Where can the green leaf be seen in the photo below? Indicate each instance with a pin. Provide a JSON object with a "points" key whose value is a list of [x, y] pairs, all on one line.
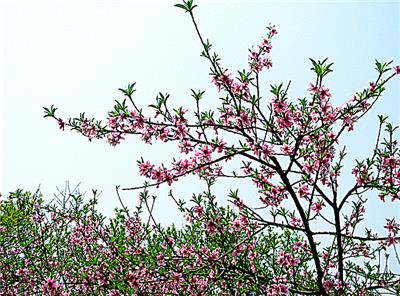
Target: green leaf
{"points": [[180, 6], [49, 112], [187, 6]]}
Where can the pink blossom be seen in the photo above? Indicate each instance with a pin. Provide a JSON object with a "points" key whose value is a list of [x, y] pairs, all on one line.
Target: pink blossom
{"points": [[114, 138], [329, 285], [145, 169], [185, 146], [287, 259], [223, 80], [285, 121], [220, 145], [199, 211], [50, 285], [61, 124], [317, 207], [294, 221], [236, 224], [308, 168], [88, 128], [163, 136], [180, 132], [298, 245], [214, 254], [287, 149], [313, 88], [267, 150], [324, 92], [392, 227], [177, 277], [391, 240], [303, 190]]}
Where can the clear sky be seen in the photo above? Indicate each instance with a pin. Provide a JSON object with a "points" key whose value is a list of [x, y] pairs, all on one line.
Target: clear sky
{"points": [[76, 54]]}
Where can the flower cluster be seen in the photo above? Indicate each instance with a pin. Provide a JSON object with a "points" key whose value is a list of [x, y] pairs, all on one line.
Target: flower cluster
{"points": [[258, 57]]}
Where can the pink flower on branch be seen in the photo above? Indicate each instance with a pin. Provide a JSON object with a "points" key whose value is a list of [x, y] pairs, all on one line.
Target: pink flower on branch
{"points": [[316, 207]]}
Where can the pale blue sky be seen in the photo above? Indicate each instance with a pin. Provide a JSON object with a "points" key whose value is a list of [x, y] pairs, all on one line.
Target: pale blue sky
{"points": [[76, 54]]}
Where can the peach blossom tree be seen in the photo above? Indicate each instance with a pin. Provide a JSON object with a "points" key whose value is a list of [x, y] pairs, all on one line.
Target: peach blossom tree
{"points": [[289, 150]]}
